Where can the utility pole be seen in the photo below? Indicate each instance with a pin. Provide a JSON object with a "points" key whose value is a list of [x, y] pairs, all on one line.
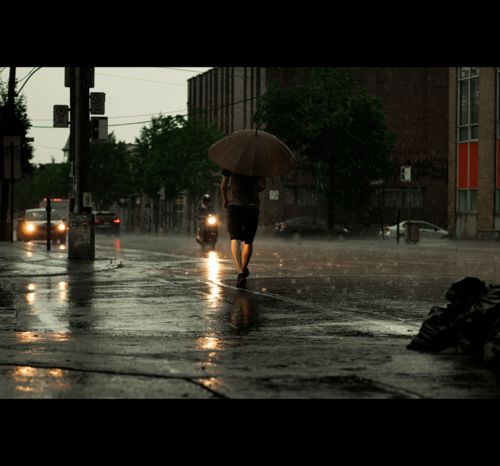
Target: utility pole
{"points": [[81, 239], [7, 130]]}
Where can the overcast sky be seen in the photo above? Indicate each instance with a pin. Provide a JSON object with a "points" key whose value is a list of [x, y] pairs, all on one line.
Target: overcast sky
{"points": [[133, 95]]}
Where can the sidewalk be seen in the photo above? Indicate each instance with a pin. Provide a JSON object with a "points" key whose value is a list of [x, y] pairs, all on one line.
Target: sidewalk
{"points": [[23, 260]]}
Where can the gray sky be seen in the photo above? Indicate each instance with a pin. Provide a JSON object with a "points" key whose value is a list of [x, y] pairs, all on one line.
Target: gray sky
{"points": [[132, 95]]}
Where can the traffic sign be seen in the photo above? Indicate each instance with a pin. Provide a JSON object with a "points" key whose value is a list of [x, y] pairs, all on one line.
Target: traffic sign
{"points": [[61, 116], [99, 128], [406, 174], [97, 100]]}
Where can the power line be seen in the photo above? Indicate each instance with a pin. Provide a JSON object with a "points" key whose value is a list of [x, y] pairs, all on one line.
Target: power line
{"points": [[183, 69], [141, 79], [124, 116]]}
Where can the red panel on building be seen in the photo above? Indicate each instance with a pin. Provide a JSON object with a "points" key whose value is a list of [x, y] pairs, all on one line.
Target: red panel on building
{"points": [[463, 150], [473, 164], [498, 164]]}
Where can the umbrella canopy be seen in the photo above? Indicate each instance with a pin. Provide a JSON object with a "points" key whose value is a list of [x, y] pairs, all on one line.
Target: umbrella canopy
{"points": [[252, 153]]}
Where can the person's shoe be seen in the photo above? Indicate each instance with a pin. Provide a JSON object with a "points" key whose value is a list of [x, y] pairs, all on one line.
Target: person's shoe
{"points": [[246, 272], [242, 281]]}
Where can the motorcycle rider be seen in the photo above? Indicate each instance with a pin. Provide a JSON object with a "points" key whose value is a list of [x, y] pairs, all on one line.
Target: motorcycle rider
{"points": [[205, 208]]}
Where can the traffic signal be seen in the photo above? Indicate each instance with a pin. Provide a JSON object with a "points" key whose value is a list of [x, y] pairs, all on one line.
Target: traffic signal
{"points": [[60, 116], [99, 128]]}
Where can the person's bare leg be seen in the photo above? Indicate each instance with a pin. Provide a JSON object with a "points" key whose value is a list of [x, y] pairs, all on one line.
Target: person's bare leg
{"points": [[246, 254], [236, 252]]}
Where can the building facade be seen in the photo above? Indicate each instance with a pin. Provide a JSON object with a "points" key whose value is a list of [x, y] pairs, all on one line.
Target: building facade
{"points": [[474, 166], [416, 104]]}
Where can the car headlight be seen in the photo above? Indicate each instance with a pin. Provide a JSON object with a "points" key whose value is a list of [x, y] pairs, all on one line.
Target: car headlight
{"points": [[61, 227], [211, 220], [29, 228]]}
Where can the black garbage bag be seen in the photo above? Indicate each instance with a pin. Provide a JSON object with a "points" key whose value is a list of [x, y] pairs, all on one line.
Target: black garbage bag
{"points": [[436, 332], [438, 329], [491, 349], [465, 291], [473, 328]]}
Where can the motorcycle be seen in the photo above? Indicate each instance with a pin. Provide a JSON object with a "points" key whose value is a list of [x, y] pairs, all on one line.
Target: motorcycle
{"points": [[208, 234]]}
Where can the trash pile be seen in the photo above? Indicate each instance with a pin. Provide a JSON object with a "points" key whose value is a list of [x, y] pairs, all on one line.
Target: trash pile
{"points": [[470, 322]]}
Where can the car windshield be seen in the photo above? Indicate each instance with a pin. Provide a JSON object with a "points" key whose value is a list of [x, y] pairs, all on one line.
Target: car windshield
{"points": [[41, 214], [105, 215]]}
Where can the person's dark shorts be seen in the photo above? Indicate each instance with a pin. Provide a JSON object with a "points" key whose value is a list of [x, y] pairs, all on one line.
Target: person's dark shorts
{"points": [[242, 223]]}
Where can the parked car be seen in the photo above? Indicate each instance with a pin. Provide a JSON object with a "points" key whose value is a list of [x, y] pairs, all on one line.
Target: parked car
{"points": [[32, 225], [426, 230], [106, 222], [307, 227]]}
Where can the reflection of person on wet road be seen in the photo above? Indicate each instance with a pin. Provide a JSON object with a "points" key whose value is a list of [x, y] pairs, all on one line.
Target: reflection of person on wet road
{"points": [[243, 217], [244, 316]]}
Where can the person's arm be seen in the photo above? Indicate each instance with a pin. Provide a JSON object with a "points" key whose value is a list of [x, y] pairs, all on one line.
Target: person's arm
{"points": [[223, 189]]}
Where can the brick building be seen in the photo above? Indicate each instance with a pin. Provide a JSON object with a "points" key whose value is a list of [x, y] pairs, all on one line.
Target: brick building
{"points": [[474, 165], [416, 104]]}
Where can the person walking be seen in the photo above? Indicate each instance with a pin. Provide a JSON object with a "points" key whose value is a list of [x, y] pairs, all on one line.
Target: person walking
{"points": [[243, 206]]}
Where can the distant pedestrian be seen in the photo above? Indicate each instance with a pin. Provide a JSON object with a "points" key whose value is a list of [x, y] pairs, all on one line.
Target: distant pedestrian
{"points": [[243, 206]]}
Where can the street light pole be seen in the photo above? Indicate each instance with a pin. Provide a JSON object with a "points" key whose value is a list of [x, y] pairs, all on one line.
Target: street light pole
{"points": [[7, 130]]}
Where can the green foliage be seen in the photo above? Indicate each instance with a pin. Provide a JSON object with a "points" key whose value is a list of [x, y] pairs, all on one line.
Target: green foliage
{"points": [[111, 178], [46, 180], [336, 127], [19, 126], [172, 153]]}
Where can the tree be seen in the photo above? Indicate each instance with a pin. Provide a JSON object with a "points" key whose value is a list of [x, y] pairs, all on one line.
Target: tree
{"points": [[13, 122], [109, 164], [337, 129], [51, 179], [172, 153]]}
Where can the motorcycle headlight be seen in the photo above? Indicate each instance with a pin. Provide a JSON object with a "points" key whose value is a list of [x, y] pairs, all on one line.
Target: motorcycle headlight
{"points": [[211, 220]]}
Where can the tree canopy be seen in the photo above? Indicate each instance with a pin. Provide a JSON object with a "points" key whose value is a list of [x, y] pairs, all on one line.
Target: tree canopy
{"points": [[337, 129], [172, 153]]}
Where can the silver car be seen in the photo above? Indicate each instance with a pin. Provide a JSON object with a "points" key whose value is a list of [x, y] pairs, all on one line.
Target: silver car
{"points": [[33, 226], [426, 230]]}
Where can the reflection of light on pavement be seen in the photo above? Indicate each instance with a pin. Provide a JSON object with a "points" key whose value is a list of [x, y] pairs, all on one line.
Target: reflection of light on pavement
{"points": [[30, 246], [213, 271], [31, 337], [118, 245], [209, 343], [212, 345], [63, 291], [62, 247], [32, 379], [213, 383], [213, 266], [30, 293]]}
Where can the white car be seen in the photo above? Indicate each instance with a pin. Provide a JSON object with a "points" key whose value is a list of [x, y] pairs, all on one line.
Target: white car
{"points": [[426, 230]]}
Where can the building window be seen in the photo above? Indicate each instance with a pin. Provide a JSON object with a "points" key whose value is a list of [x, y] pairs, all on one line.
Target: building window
{"points": [[468, 135], [497, 197], [398, 198], [468, 115], [498, 103]]}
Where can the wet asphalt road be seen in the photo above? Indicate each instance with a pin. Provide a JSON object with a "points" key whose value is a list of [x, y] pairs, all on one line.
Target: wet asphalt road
{"points": [[157, 317]]}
